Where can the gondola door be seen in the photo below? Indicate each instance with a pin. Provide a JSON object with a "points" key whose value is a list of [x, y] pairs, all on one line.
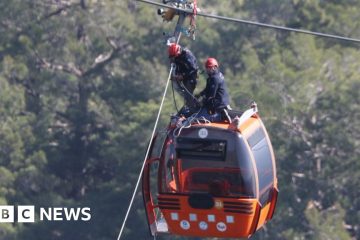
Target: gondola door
{"points": [[150, 187]]}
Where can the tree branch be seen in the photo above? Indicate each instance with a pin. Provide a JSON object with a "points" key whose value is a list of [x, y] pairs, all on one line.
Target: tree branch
{"points": [[103, 59], [58, 11], [68, 68], [100, 61], [297, 128]]}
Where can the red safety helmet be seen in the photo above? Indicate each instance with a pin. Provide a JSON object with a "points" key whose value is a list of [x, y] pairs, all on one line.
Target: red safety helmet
{"points": [[211, 62], [174, 50]]}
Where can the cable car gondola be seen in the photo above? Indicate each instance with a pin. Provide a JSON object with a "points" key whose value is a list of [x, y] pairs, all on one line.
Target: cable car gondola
{"points": [[211, 179]]}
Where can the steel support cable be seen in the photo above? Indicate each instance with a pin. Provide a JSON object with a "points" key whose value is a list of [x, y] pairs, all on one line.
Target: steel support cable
{"points": [[281, 28], [254, 23], [146, 156]]}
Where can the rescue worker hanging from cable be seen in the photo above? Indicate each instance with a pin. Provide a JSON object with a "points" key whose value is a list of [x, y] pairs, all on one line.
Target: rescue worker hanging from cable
{"points": [[215, 95], [185, 76]]}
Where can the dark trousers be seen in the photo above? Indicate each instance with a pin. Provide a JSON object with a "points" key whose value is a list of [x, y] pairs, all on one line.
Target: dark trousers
{"points": [[186, 89]]}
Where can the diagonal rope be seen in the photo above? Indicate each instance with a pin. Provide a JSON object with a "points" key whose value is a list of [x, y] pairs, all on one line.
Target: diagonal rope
{"points": [[146, 156]]}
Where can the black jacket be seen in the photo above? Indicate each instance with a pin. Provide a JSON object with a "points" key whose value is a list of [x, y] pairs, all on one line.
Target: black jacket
{"points": [[186, 65], [216, 92]]}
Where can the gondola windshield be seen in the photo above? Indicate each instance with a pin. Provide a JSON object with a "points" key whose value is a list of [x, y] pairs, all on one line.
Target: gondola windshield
{"points": [[209, 166]]}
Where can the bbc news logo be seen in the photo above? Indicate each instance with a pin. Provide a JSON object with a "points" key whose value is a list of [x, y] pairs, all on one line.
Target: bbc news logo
{"points": [[26, 214]]}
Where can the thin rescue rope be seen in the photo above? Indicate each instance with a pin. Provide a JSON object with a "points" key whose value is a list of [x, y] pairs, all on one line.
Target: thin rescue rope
{"points": [[173, 94], [146, 156], [188, 92], [172, 83]]}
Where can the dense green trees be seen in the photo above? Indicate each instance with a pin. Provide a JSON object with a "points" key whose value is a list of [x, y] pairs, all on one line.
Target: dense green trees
{"points": [[80, 84]]}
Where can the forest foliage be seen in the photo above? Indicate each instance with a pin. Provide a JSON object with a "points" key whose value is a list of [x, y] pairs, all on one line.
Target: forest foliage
{"points": [[80, 86]]}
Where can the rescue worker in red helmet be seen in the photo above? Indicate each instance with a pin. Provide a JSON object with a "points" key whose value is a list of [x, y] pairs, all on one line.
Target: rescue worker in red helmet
{"points": [[184, 76], [216, 98]]}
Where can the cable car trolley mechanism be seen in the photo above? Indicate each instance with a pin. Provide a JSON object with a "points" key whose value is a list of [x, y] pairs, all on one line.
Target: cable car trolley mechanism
{"points": [[211, 179]]}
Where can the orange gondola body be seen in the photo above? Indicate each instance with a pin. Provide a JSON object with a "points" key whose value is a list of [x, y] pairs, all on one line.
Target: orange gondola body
{"points": [[211, 179]]}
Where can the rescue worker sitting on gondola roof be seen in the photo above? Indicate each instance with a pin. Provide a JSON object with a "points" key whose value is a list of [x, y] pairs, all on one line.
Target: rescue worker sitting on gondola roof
{"points": [[215, 95]]}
